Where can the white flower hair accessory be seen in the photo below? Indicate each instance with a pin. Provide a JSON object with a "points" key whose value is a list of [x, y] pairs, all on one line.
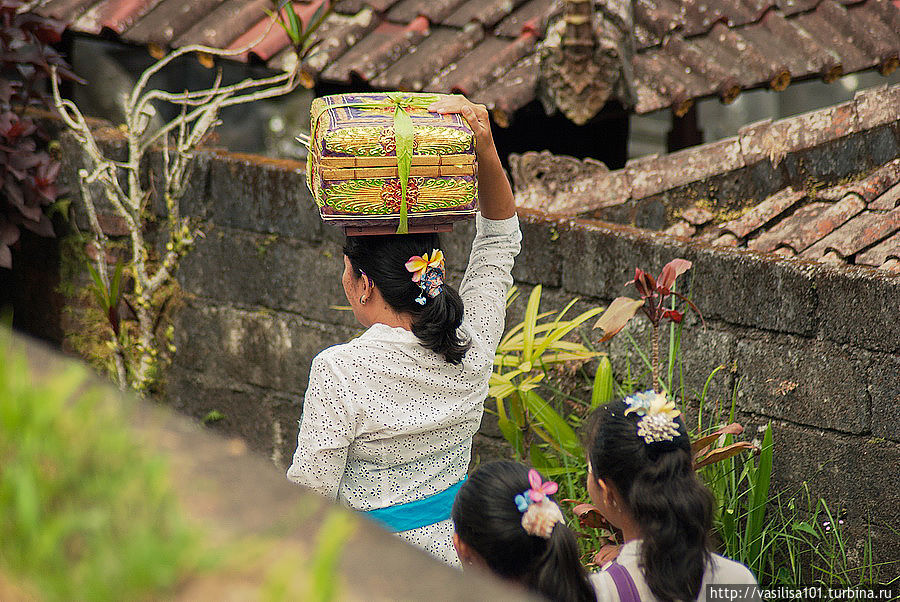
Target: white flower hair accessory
{"points": [[539, 513], [658, 416]]}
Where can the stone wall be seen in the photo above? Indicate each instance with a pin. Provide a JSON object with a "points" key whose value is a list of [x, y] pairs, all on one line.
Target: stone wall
{"points": [[815, 348]]}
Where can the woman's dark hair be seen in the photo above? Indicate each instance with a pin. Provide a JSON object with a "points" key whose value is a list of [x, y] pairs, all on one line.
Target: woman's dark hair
{"points": [[487, 520], [664, 495], [383, 259]]}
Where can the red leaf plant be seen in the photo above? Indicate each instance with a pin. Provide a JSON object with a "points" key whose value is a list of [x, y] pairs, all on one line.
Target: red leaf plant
{"points": [[27, 173], [655, 295]]}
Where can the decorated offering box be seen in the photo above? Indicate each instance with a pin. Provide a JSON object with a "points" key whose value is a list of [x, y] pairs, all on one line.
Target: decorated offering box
{"points": [[379, 162]]}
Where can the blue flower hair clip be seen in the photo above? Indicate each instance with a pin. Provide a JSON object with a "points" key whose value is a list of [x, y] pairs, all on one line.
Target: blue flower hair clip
{"points": [[539, 513]]}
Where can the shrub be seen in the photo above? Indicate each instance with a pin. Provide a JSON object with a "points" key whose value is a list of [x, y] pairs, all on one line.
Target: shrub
{"points": [[27, 172]]}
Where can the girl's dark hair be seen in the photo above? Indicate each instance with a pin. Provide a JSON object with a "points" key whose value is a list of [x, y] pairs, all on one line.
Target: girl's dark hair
{"points": [[488, 521], [664, 495], [383, 259]]}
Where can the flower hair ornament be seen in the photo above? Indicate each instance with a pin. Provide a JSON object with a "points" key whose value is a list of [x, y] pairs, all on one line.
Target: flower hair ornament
{"points": [[428, 273], [658, 416], [539, 513]]}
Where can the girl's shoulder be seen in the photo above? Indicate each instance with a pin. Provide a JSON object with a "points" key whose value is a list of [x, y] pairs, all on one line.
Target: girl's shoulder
{"points": [[725, 570]]}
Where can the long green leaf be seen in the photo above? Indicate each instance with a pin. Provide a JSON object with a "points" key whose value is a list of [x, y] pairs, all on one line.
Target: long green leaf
{"points": [[565, 329], [513, 339], [602, 391], [513, 436], [99, 290], [538, 458], [296, 27], [562, 356], [565, 310], [115, 286], [544, 414], [551, 441], [404, 134], [531, 312], [759, 495]]}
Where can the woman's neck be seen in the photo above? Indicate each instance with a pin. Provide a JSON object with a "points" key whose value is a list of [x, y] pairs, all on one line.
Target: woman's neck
{"points": [[388, 317], [630, 529], [379, 312], [395, 321]]}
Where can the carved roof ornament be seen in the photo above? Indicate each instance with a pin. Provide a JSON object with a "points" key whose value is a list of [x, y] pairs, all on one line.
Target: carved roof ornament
{"points": [[586, 58]]}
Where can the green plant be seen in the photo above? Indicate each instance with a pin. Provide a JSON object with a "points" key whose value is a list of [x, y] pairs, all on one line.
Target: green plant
{"points": [[813, 547], [85, 511], [142, 347], [557, 450], [213, 416], [524, 355]]}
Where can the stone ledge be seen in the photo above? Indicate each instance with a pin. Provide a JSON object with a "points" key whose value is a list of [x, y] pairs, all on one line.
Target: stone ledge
{"points": [[736, 286]]}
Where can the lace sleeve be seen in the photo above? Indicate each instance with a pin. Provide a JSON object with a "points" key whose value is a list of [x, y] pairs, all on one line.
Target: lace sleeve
{"points": [[489, 277]]}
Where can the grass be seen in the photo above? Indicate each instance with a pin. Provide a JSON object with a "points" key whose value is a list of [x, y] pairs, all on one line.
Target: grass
{"points": [[89, 513], [85, 512]]}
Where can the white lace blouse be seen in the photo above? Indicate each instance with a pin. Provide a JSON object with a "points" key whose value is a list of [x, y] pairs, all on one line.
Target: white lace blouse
{"points": [[386, 421]]}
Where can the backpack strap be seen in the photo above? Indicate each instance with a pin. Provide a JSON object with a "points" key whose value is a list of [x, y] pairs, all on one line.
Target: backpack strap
{"points": [[625, 586]]}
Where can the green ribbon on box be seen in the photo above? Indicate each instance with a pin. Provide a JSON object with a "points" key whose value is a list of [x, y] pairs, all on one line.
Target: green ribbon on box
{"points": [[404, 135]]}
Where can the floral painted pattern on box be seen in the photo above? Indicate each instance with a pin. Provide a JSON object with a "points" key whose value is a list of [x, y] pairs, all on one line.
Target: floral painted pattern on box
{"points": [[352, 167]]}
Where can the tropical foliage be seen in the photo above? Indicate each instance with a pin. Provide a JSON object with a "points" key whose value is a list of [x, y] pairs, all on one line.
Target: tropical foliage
{"points": [[524, 355], [27, 171], [784, 539], [653, 302]]}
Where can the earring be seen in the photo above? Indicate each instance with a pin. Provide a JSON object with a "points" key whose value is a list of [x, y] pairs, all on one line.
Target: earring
{"points": [[362, 299]]}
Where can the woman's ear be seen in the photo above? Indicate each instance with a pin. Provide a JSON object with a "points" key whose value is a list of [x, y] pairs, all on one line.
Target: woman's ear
{"points": [[467, 556], [608, 493]]}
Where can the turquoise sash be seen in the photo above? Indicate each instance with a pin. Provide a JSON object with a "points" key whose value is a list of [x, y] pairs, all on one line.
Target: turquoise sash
{"points": [[420, 513]]}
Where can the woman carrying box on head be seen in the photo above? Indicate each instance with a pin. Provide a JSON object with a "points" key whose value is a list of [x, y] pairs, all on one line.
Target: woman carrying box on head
{"points": [[388, 418]]}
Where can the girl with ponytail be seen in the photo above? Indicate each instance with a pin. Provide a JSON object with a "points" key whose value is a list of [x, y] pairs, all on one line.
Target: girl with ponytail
{"points": [[641, 478], [506, 522], [388, 418]]}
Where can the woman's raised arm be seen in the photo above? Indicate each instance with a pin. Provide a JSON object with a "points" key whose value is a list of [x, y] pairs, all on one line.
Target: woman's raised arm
{"points": [[495, 195], [489, 273]]}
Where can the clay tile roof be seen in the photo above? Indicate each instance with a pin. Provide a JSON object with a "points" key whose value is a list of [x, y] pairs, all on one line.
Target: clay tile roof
{"points": [[881, 253], [807, 225], [861, 232], [685, 50], [823, 186], [764, 213]]}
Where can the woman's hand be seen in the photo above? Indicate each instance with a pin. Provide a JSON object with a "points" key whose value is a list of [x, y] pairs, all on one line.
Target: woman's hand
{"points": [[475, 115], [495, 195]]}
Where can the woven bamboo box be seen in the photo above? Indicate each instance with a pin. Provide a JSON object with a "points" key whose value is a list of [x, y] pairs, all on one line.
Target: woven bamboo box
{"points": [[352, 167]]}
